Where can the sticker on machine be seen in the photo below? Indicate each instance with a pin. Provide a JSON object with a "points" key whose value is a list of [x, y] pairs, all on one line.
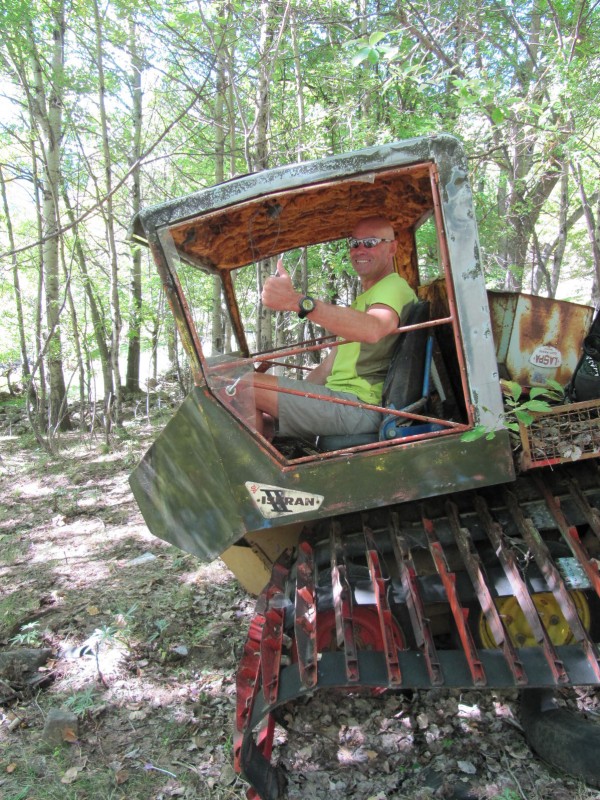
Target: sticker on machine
{"points": [[546, 356], [276, 501]]}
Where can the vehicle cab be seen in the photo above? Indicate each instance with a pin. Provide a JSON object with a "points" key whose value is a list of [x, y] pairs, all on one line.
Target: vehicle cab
{"points": [[211, 481]]}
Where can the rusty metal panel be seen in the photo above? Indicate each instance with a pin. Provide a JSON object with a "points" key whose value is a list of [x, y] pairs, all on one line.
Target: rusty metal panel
{"points": [[537, 338], [202, 488]]}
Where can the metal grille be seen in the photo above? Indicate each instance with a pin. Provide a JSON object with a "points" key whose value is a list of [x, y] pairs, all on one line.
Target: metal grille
{"points": [[567, 433]]}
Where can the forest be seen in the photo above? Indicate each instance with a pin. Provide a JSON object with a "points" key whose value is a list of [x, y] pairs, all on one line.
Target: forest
{"points": [[107, 108]]}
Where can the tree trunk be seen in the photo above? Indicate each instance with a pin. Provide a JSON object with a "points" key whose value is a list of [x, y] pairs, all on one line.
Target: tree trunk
{"points": [[39, 365], [593, 230], [301, 146], [112, 413], [78, 348], [26, 372], [46, 110], [218, 344], [132, 380], [98, 323], [264, 329], [561, 245]]}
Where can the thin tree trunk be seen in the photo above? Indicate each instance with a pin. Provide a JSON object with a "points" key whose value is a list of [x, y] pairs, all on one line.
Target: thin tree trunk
{"points": [[41, 394], [47, 111], [77, 345], [132, 381], [219, 125], [26, 372], [264, 328], [98, 324], [299, 85], [593, 230], [559, 250], [108, 213]]}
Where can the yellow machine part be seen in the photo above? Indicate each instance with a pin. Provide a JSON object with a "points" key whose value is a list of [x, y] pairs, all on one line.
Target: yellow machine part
{"points": [[550, 614]]}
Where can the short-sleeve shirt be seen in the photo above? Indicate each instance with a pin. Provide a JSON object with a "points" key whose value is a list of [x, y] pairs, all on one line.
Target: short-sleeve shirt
{"points": [[360, 368]]}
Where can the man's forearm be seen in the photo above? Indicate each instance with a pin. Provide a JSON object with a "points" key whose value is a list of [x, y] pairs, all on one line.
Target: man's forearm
{"points": [[359, 326], [370, 326]]}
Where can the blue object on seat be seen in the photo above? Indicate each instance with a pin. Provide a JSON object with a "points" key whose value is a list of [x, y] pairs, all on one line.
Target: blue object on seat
{"points": [[401, 431]]}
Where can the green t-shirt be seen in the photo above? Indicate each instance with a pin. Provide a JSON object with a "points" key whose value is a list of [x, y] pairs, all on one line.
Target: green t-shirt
{"points": [[360, 368]]}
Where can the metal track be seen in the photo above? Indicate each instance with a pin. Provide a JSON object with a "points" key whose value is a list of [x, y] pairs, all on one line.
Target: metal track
{"points": [[397, 598]]}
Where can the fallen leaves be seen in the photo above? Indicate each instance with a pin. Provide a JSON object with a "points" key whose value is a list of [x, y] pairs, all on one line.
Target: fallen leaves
{"points": [[73, 772], [70, 775], [69, 735]]}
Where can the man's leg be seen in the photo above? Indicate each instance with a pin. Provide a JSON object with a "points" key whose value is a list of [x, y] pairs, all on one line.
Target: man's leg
{"points": [[266, 399]]}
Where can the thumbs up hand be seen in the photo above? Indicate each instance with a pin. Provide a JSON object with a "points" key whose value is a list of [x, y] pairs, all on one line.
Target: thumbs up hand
{"points": [[278, 290]]}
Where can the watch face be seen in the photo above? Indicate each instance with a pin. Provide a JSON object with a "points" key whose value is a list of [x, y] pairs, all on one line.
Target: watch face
{"points": [[307, 304]]}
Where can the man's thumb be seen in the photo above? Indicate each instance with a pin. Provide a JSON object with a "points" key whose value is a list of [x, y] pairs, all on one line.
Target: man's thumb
{"points": [[281, 270]]}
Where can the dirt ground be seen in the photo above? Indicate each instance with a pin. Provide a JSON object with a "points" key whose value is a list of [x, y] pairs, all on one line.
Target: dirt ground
{"points": [[143, 643]]}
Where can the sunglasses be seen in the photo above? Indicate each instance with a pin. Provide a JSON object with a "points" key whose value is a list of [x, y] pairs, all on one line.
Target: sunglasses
{"points": [[372, 241]]}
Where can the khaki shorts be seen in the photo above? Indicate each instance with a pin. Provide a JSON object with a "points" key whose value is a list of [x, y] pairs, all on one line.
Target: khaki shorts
{"points": [[305, 418]]}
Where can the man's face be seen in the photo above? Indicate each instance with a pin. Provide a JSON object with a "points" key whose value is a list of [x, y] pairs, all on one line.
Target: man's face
{"points": [[372, 264]]}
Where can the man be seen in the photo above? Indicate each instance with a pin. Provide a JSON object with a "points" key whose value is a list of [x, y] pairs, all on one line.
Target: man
{"points": [[352, 371]]}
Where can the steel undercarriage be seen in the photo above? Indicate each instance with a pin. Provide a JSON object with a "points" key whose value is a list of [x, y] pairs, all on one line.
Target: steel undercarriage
{"points": [[490, 589]]}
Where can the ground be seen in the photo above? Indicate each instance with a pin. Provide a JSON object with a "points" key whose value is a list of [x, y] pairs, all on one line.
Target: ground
{"points": [[143, 643]]}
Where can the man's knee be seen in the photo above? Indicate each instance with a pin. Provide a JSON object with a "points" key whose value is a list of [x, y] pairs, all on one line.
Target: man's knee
{"points": [[266, 396]]}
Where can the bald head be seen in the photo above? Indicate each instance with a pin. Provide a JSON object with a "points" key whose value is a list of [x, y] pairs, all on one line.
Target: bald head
{"points": [[373, 226]]}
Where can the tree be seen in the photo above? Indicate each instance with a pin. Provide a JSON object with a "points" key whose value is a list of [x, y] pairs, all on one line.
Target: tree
{"points": [[502, 71], [41, 80], [140, 107], [132, 381]]}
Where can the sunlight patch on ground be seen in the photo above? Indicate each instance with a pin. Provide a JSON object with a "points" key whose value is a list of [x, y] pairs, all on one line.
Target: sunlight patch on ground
{"points": [[35, 489]]}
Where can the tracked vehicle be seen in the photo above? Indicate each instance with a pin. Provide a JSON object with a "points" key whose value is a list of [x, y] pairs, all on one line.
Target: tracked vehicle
{"points": [[418, 557]]}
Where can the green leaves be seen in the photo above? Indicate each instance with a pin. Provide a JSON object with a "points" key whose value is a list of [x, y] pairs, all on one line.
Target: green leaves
{"points": [[518, 412], [372, 50], [478, 432]]}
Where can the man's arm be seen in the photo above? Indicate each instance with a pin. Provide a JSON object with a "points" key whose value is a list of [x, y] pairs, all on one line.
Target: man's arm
{"points": [[358, 326]]}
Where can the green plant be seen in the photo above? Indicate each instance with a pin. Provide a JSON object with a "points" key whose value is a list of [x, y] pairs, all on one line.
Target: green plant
{"points": [[161, 625], [81, 702], [200, 634], [507, 794], [119, 630], [30, 634], [517, 410]]}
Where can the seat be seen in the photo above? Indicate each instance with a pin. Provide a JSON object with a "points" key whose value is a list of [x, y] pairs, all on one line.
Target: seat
{"points": [[406, 386]]}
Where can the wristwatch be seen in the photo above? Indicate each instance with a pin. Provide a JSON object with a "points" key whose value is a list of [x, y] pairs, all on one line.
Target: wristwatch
{"points": [[306, 305]]}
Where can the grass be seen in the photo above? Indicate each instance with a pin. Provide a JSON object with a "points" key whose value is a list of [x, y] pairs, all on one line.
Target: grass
{"points": [[56, 778], [15, 607], [12, 548]]}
